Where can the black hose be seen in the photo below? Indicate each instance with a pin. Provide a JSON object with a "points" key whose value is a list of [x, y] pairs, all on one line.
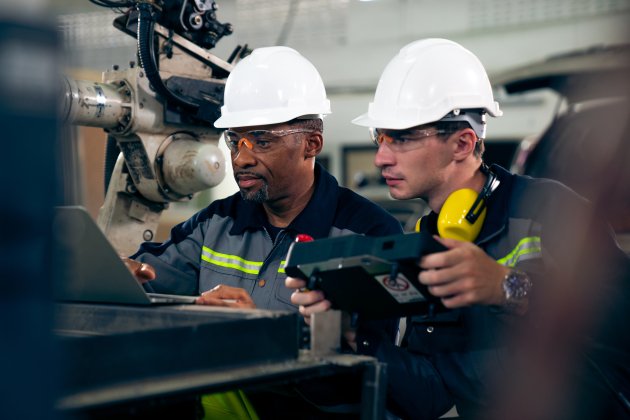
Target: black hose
{"points": [[146, 54], [112, 4], [111, 156]]}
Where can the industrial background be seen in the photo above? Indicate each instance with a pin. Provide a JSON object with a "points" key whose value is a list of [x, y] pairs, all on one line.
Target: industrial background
{"points": [[350, 42], [46, 162]]}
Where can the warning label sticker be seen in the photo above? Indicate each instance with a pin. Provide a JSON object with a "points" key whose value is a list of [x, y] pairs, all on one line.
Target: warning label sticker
{"points": [[400, 288]]}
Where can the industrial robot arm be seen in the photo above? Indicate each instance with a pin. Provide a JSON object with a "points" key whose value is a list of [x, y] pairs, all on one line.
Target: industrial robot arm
{"points": [[158, 114]]}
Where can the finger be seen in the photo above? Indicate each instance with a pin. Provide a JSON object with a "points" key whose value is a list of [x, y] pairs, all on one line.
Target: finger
{"points": [[131, 265], [307, 298], [449, 242], [452, 288], [210, 300], [142, 272], [145, 273], [294, 283], [438, 259], [230, 296], [351, 339], [227, 292], [433, 277], [241, 304], [321, 306], [462, 251]]}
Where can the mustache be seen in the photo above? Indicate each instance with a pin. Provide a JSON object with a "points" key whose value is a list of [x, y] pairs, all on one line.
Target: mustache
{"points": [[239, 174], [385, 173]]}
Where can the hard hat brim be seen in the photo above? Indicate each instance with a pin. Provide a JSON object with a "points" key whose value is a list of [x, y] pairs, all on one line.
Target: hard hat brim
{"points": [[399, 122], [365, 120], [262, 117]]}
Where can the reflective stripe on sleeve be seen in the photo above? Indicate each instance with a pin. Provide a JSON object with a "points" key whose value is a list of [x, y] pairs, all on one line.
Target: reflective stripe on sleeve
{"points": [[230, 261], [527, 248]]}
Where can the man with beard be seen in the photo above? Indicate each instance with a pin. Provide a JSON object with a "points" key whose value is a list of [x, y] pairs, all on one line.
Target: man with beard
{"points": [[232, 252]]}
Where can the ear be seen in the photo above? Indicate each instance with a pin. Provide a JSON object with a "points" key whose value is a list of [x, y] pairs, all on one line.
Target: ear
{"points": [[314, 143], [464, 144]]}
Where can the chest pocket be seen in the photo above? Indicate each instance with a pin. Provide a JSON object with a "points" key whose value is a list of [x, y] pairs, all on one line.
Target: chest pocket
{"points": [[232, 270], [282, 293]]}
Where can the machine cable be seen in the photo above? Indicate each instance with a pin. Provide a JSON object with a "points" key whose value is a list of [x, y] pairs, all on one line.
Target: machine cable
{"points": [[148, 61]]}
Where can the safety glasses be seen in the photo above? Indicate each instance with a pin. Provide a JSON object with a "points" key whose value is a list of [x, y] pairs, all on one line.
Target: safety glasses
{"points": [[258, 141], [403, 140]]}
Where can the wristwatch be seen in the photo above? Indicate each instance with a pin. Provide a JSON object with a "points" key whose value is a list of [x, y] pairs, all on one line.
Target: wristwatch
{"points": [[516, 286]]}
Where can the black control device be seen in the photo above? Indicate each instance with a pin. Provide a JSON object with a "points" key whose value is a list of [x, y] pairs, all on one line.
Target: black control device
{"points": [[376, 277]]}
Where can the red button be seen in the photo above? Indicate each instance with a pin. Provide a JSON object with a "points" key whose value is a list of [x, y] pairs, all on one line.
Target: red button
{"points": [[262, 282], [303, 237]]}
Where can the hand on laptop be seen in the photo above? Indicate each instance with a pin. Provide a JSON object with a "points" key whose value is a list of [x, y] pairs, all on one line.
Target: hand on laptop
{"points": [[222, 295], [142, 272]]}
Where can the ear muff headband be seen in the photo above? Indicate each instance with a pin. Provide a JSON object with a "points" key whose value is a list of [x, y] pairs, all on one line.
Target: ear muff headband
{"points": [[479, 204]]}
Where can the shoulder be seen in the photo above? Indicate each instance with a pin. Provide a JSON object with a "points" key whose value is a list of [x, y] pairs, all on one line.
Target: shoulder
{"points": [[222, 208], [225, 207], [526, 197], [357, 213], [569, 225], [559, 215], [542, 195]]}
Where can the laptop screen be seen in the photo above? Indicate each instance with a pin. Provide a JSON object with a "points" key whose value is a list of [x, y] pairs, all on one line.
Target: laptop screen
{"points": [[88, 268]]}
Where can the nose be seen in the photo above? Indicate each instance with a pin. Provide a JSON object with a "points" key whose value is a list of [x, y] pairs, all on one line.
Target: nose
{"points": [[245, 156], [384, 156], [244, 142]]}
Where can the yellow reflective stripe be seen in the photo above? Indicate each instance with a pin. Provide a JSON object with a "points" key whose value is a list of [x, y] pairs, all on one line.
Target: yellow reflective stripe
{"points": [[283, 264], [230, 261], [526, 246]]}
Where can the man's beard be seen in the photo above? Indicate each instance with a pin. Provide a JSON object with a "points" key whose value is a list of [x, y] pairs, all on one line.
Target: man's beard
{"points": [[259, 196]]}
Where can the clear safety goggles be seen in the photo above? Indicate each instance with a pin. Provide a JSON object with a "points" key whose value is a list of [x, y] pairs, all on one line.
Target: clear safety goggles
{"points": [[258, 141], [403, 140]]}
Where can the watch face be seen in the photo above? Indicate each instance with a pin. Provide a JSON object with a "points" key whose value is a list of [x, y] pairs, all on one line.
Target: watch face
{"points": [[516, 285]]}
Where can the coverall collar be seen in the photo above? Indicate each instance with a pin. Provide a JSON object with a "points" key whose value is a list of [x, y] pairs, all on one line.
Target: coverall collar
{"points": [[497, 206], [497, 209], [315, 220]]}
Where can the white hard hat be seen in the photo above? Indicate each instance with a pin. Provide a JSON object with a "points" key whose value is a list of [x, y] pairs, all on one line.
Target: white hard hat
{"points": [[272, 85], [427, 81]]}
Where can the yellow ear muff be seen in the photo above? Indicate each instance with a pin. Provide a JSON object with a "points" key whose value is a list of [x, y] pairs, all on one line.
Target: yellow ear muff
{"points": [[452, 221]]}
